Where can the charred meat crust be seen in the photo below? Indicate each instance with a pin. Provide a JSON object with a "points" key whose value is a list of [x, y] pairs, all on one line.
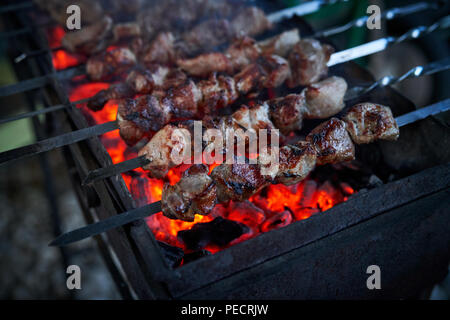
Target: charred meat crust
{"points": [[367, 122], [194, 193], [332, 142]]}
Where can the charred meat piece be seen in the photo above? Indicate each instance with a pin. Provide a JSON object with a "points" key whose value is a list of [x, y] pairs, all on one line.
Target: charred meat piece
{"points": [[168, 148], [238, 182], [195, 193], [367, 122], [161, 50], [250, 21], [287, 112], [240, 54], [139, 81], [295, 163], [175, 15], [90, 39], [184, 100], [126, 30], [266, 72], [129, 131], [217, 92], [325, 98], [308, 60], [205, 64], [114, 92], [209, 34], [281, 44], [276, 69], [332, 142], [249, 78], [206, 36], [145, 112], [145, 80], [110, 63], [253, 118]]}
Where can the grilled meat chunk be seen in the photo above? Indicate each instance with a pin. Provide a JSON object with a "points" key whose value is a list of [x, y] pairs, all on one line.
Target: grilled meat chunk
{"points": [[240, 54], [205, 64], [90, 39], [238, 182], [295, 163], [161, 50], [206, 36], [139, 81], [195, 193], [114, 92], [308, 60], [113, 62], [367, 122], [325, 98], [332, 142], [217, 92], [276, 69], [129, 131], [145, 110], [287, 112], [266, 72], [250, 21], [168, 148], [280, 45], [209, 34], [126, 30], [253, 118]]}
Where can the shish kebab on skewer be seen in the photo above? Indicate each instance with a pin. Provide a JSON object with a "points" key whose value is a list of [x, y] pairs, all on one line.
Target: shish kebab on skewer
{"points": [[163, 16], [241, 53], [318, 101], [197, 192], [157, 147], [193, 100], [138, 80], [99, 129], [153, 208], [166, 48], [142, 80], [346, 55]]}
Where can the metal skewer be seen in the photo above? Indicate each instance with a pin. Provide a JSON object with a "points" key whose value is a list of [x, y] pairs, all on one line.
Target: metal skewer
{"points": [[151, 209], [415, 72], [383, 43]]}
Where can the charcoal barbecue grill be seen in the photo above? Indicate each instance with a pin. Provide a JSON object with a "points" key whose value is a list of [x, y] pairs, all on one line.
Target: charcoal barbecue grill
{"points": [[402, 226]]}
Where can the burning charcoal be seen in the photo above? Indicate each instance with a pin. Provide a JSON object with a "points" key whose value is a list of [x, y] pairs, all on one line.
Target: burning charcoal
{"points": [[219, 232], [308, 199], [279, 220], [346, 188], [246, 213], [173, 255], [189, 257]]}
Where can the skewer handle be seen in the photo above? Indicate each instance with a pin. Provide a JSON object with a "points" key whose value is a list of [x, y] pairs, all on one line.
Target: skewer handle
{"points": [[387, 15], [415, 72], [300, 10]]}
